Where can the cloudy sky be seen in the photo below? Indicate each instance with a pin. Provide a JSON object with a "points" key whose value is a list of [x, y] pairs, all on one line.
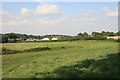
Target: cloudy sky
{"points": [[69, 18]]}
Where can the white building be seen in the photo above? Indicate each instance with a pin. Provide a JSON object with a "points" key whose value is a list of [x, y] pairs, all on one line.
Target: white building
{"points": [[45, 39], [54, 38], [29, 40], [32, 39], [114, 37]]}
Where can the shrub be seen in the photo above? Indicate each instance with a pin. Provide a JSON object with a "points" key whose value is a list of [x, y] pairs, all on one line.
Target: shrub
{"points": [[118, 40], [95, 38], [37, 49], [9, 51]]}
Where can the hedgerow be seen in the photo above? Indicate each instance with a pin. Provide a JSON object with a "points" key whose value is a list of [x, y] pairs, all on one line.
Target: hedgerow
{"points": [[37, 49], [9, 51]]}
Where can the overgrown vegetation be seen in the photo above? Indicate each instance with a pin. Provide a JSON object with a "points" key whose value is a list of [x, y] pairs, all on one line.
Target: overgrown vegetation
{"points": [[37, 49], [118, 40], [9, 51]]}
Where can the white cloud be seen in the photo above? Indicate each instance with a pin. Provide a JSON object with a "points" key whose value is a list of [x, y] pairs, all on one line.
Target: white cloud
{"points": [[18, 20], [110, 13], [17, 23], [12, 23], [85, 19], [43, 9], [37, 23], [24, 11], [9, 19], [47, 9], [6, 16], [50, 22], [4, 13]]}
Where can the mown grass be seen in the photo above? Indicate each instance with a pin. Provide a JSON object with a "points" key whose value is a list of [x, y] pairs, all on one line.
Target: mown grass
{"points": [[50, 64]]}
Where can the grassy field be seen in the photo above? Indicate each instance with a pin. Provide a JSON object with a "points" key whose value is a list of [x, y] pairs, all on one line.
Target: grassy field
{"points": [[78, 59]]}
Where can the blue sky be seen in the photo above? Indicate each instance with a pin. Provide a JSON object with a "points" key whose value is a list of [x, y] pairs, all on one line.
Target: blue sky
{"points": [[59, 17], [68, 7]]}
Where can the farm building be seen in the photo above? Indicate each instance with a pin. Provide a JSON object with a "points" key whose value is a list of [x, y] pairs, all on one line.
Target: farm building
{"points": [[29, 40], [32, 39], [45, 39], [114, 37], [20, 39], [14, 40], [11, 40], [55, 38]]}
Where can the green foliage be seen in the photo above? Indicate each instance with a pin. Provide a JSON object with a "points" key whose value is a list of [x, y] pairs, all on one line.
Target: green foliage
{"points": [[118, 40], [111, 39], [12, 35], [85, 34], [9, 51], [103, 33], [118, 33], [96, 34], [4, 38], [95, 38], [80, 36], [37, 49], [90, 68], [74, 39], [76, 60]]}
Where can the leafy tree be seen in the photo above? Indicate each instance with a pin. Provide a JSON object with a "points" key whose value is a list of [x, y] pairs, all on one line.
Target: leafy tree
{"points": [[103, 33], [96, 34], [85, 34], [31, 36], [12, 35], [112, 34], [4, 38], [93, 34], [118, 33], [80, 34]]}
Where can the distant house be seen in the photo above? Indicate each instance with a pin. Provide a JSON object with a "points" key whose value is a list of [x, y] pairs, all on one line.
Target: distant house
{"points": [[32, 39], [45, 39], [55, 38], [28, 39], [11, 40], [114, 37], [37, 40], [14, 40], [20, 39]]}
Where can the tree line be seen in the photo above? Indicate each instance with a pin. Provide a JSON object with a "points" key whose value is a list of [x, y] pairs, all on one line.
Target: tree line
{"points": [[99, 34], [7, 36], [83, 36]]}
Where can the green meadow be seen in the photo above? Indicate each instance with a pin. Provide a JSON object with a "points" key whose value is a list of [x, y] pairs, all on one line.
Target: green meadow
{"points": [[73, 59]]}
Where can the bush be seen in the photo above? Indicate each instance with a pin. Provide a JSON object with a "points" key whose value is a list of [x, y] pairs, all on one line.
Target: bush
{"points": [[9, 51], [37, 49], [95, 38], [118, 40]]}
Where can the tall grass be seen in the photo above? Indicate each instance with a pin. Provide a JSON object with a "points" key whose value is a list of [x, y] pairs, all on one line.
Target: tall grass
{"points": [[55, 63]]}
